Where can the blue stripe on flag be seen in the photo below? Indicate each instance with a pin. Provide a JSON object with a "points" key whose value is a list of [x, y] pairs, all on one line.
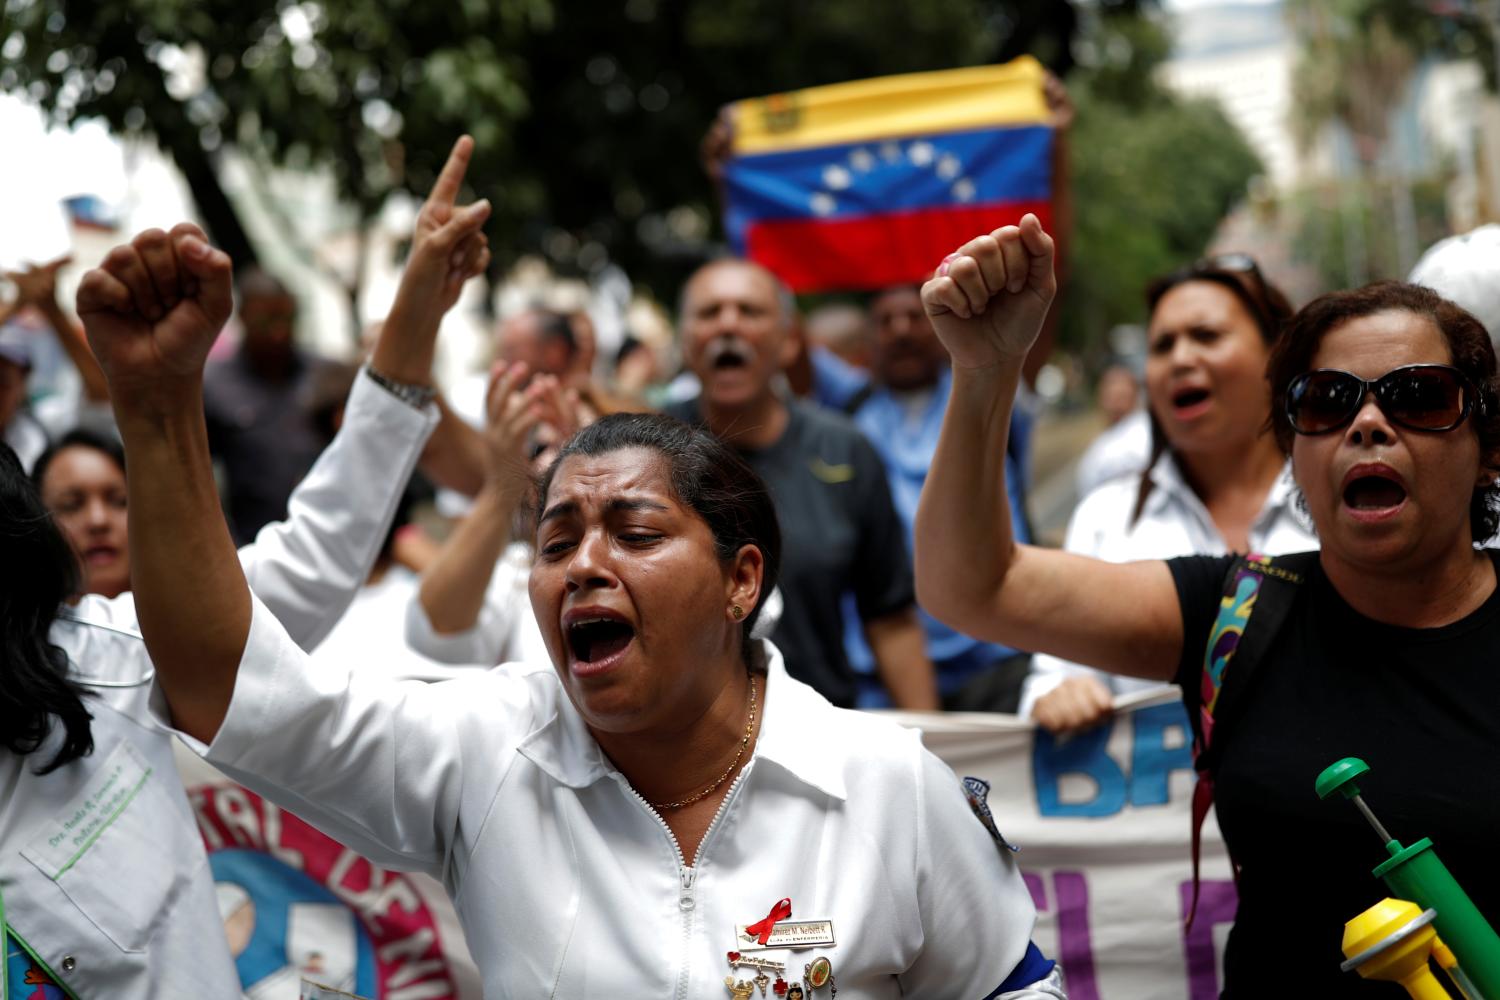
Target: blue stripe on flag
{"points": [[872, 178]]}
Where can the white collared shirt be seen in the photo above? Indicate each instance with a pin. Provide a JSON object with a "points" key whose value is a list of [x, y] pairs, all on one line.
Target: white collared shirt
{"points": [[134, 916], [569, 885], [504, 631], [1173, 523]]}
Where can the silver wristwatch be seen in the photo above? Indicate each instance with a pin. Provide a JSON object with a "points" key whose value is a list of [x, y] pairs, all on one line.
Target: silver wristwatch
{"points": [[415, 396]]}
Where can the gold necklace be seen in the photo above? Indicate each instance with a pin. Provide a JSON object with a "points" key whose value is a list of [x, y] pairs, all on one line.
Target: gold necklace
{"points": [[749, 728]]}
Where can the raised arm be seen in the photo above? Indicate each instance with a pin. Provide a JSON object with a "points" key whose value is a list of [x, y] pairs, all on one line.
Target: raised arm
{"points": [[453, 588], [152, 310], [987, 304], [38, 288], [308, 568]]}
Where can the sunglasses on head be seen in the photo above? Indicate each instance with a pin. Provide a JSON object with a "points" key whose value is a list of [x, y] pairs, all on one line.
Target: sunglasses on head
{"points": [[1241, 262], [1230, 263], [1418, 397], [1237, 271]]}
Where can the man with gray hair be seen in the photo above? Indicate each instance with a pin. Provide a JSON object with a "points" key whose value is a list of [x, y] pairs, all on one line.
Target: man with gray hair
{"points": [[839, 526]]}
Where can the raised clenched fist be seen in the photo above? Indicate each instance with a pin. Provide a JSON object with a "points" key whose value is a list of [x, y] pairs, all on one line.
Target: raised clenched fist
{"points": [[152, 310], [989, 298]]}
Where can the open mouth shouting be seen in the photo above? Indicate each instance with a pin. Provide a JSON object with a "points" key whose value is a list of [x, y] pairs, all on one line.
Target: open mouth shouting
{"points": [[729, 352], [100, 555], [1373, 492], [597, 640], [1190, 402]]}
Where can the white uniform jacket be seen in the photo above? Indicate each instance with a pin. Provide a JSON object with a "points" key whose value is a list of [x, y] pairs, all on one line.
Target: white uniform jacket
{"points": [[569, 885], [1173, 523], [505, 630], [112, 890]]}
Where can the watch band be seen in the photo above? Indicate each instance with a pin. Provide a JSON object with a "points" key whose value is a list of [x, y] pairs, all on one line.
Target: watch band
{"points": [[415, 396]]}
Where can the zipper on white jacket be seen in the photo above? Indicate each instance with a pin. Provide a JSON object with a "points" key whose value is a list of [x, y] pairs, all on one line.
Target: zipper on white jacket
{"points": [[687, 875]]}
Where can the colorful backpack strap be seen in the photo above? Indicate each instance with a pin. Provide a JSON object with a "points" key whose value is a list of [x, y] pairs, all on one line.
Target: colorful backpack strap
{"points": [[1253, 583]]}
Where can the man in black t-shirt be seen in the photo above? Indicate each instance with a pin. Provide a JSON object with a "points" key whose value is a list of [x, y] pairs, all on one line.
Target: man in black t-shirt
{"points": [[839, 527]]}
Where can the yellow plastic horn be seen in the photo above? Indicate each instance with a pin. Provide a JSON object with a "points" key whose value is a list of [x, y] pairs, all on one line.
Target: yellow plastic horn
{"points": [[1391, 941]]}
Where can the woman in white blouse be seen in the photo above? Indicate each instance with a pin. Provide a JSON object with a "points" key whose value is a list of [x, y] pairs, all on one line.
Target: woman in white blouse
{"points": [[1216, 481], [661, 809]]}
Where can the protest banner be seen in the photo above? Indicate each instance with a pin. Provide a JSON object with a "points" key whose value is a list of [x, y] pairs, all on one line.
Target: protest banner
{"points": [[296, 904], [1102, 820]]}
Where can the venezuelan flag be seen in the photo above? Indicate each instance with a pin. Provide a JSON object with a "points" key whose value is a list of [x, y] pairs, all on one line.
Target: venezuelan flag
{"points": [[868, 184]]}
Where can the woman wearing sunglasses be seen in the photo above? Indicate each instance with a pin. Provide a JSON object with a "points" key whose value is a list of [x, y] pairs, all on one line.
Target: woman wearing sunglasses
{"points": [[1383, 398], [1215, 481]]}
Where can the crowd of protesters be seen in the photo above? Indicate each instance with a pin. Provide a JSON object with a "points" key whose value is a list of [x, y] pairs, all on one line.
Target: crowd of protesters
{"points": [[879, 451]]}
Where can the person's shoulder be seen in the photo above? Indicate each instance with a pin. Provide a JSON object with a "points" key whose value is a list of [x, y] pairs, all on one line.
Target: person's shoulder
{"points": [[1118, 450], [536, 682], [873, 749], [818, 419], [1111, 501], [860, 745], [685, 410], [829, 432], [512, 697]]}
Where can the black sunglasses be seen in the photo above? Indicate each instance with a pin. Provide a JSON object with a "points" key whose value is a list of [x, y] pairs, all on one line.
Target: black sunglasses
{"points": [[1419, 397]]}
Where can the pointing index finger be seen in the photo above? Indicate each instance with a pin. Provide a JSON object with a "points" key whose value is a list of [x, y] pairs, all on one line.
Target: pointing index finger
{"points": [[445, 191]]}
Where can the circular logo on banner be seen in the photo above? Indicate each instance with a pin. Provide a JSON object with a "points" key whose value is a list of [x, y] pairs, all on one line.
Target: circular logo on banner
{"points": [[296, 904]]}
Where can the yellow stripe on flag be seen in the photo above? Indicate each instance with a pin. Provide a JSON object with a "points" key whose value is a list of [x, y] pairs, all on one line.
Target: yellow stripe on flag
{"points": [[885, 107]]}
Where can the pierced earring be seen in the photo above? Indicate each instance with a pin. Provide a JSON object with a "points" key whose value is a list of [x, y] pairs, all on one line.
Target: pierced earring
{"points": [[737, 611]]}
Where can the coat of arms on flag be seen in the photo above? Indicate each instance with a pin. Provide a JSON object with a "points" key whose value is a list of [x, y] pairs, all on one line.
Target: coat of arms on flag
{"points": [[870, 183]]}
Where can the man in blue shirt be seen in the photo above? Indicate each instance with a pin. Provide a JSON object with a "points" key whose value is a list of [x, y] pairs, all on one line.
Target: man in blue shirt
{"points": [[902, 416]]}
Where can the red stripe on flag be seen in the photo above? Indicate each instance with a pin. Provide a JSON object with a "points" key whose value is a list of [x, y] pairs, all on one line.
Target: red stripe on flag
{"points": [[815, 255]]}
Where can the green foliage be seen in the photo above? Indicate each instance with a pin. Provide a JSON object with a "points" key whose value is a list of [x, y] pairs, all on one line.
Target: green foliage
{"points": [[1152, 178], [588, 116], [623, 94], [374, 91]]}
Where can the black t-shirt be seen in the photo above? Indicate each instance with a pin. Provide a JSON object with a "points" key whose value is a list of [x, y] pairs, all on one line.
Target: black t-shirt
{"points": [[1418, 705], [839, 533]]}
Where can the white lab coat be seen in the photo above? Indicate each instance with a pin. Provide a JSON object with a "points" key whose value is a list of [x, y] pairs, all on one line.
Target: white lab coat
{"points": [[133, 915], [569, 885], [505, 631]]}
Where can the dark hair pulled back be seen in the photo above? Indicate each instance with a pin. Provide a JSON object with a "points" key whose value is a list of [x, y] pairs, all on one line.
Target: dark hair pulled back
{"points": [[705, 475], [78, 437]]}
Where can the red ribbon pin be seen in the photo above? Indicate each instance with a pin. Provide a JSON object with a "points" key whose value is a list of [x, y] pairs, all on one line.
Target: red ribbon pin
{"points": [[762, 930]]}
